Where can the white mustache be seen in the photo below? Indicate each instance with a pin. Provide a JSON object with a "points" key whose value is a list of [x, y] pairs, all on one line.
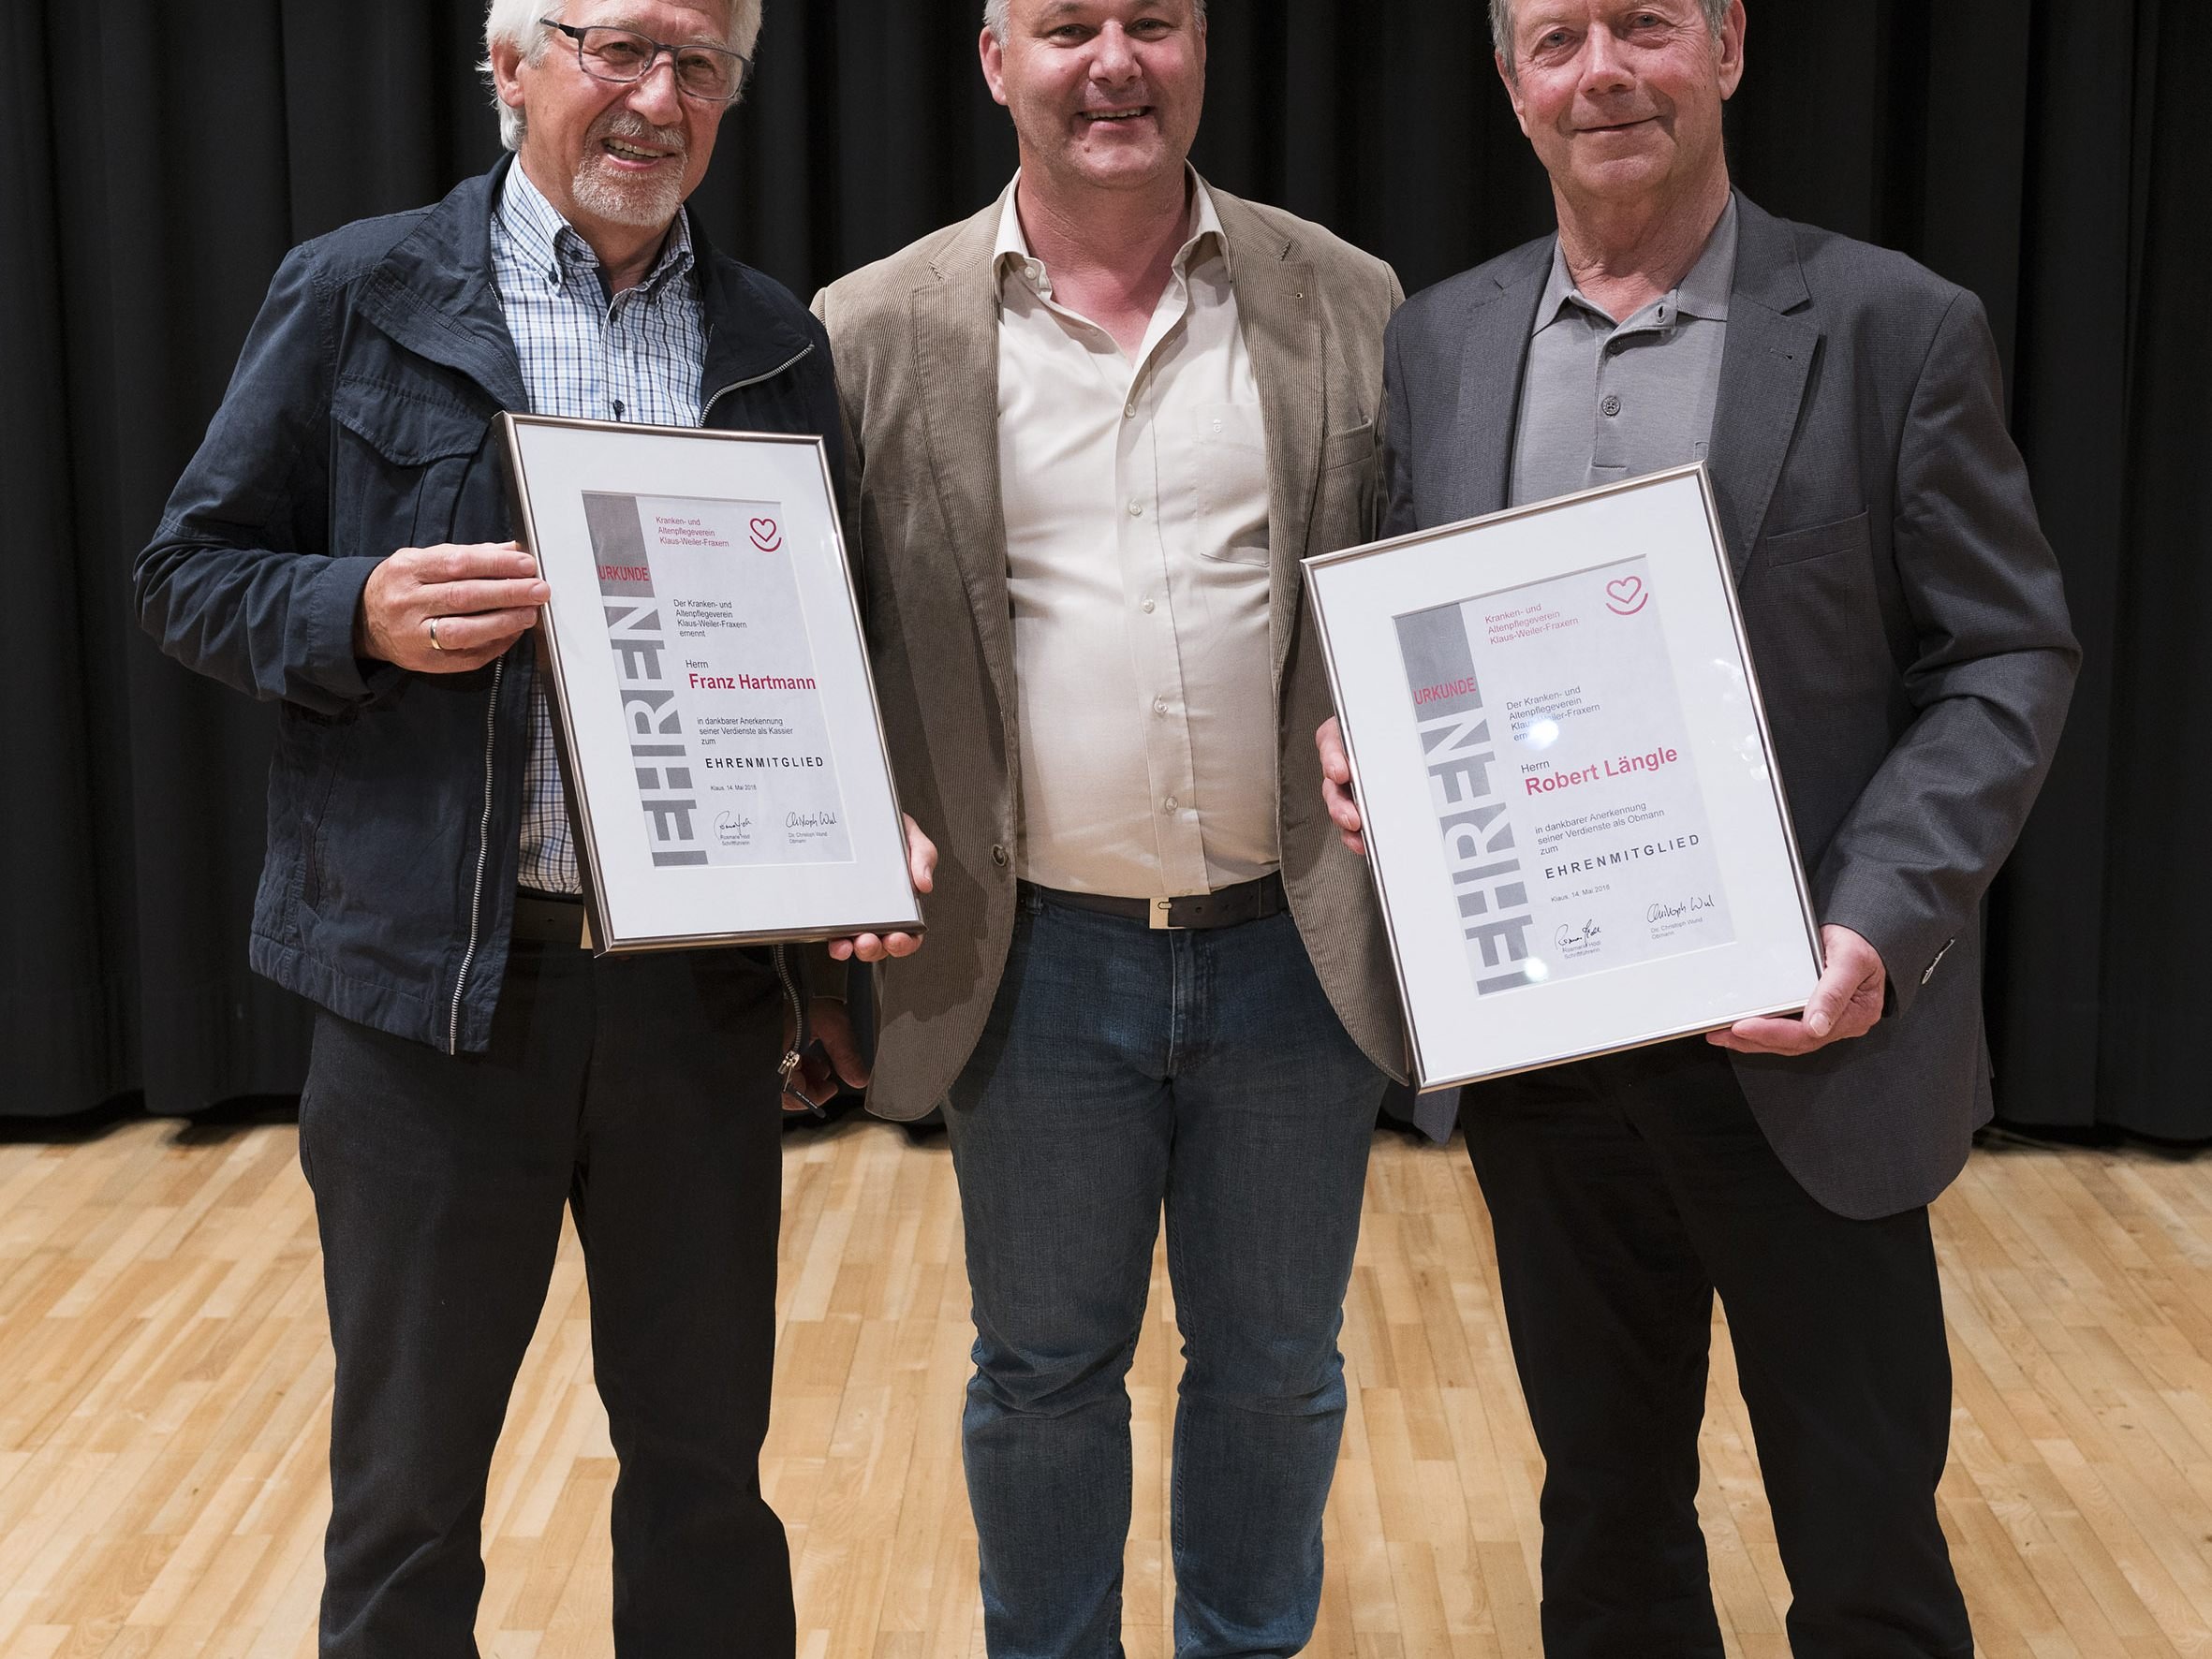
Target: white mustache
{"points": [[629, 124]]}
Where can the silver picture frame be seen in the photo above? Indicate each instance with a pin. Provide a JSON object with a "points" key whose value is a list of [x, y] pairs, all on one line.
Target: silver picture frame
{"points": [[1487, 655], [719, 735]]}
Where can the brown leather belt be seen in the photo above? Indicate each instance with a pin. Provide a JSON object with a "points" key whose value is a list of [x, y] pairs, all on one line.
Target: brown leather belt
{"points": [[1248, 900], [548, 918]]}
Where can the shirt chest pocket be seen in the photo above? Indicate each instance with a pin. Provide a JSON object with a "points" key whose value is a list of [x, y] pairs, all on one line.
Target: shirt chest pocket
{"points": [[1215, 456], [402, 468]]}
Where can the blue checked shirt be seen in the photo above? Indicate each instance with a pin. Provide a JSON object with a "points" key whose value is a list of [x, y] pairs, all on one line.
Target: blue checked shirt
{"points": [[636, 356]]}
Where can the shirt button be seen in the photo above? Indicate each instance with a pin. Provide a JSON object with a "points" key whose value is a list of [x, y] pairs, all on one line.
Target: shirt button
{"points": [[1136, 509], [998, 856], [1148, 607], [1611, 403], [1129, 413], [1169, 804], [1160, 706]]}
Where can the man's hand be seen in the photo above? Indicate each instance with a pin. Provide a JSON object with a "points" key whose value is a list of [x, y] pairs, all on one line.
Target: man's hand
{"points": [[921, 866], [1344, 812], [447, 610], [817, 1077], [1845, 1004]]}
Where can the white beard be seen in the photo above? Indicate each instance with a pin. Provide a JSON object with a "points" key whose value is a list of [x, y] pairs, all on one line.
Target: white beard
{"points": [[640, 203]]}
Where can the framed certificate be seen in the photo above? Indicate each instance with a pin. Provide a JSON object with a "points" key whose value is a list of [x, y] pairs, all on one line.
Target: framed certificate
{"points": [[1571, 810], [717, 725]]}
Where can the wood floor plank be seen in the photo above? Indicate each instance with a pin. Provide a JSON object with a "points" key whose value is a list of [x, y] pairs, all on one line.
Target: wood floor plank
{"points": [[165, 1397]]}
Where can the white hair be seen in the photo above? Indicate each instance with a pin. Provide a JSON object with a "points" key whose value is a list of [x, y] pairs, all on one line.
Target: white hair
{"points": [[994, 16], [520, 23], [1502, 22]]}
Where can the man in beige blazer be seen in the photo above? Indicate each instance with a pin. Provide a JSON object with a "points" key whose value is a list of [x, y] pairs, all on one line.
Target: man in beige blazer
{"points": [[1093, 430]]}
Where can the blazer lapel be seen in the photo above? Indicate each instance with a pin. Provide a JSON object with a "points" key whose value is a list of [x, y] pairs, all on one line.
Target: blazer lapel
{"points": [[1773, 339], [955, 321], [1492, 363], [1281, 321]]}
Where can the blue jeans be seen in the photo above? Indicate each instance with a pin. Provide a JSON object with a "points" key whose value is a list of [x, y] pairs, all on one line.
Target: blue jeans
{"points": [[1123, 1068]]}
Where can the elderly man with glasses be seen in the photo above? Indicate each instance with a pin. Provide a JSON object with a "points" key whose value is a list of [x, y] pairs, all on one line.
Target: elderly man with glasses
{"points": [[340, 545]]}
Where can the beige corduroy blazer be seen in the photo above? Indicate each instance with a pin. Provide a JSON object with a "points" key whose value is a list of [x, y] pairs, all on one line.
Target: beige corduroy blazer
{"points": [[916, 343]]}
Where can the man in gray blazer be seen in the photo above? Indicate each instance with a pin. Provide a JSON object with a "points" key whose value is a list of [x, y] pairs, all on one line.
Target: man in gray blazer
{"points": [[1911, 640], [1093, 431]]}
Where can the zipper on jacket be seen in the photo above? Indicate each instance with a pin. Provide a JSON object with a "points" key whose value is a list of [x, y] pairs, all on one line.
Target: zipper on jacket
{"points": [[483, 850], [708, 408], [787, 1067]]}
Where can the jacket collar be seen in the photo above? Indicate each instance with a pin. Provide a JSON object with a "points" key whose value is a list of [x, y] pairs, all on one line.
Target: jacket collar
{"points": [[750, 337], [434, 293], [955, 335], [1774, 335], [1499, 321], [1278, 310]]}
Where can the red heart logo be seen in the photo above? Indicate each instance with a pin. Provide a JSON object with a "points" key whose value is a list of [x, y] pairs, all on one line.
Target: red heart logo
{"points": [[766, 536], [1625, 597]]}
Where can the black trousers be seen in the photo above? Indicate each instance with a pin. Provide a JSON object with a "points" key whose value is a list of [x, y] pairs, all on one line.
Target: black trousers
{"points": [[641, 1093], [1624, 1192]]}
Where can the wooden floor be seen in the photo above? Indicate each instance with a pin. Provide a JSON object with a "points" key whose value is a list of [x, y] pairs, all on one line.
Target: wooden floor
{"points": [[165, 1378]]}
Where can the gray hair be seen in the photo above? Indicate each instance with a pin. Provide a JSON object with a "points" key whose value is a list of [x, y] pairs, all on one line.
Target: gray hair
{"points": [[994, 16], [1502, 22], [519, 23]]}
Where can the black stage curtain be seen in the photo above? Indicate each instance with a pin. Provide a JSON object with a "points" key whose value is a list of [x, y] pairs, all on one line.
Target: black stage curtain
{"points": [[157, 157]]}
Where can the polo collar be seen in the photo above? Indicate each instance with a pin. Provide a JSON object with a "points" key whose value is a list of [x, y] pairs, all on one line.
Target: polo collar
{"points": [[1703, 293]]}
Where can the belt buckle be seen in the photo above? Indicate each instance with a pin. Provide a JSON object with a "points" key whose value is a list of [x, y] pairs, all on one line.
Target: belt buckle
{"points": [[1157, 920]]}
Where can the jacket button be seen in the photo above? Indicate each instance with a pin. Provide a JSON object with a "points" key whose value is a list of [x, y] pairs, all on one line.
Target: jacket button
{"points": [[998, 856]]}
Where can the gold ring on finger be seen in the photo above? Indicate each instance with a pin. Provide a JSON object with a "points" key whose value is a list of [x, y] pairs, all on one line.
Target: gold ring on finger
{"points": [[433, 644]]}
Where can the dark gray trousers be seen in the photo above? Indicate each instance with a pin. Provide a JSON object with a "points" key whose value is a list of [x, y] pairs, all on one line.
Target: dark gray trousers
{"points": [[642, 1093]]}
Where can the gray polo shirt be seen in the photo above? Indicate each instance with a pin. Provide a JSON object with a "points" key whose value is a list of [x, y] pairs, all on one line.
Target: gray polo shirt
{"points": [[1603, 402]]}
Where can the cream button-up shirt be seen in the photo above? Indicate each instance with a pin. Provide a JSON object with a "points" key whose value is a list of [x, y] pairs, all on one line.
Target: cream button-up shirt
{"points": [[1135, 495]]}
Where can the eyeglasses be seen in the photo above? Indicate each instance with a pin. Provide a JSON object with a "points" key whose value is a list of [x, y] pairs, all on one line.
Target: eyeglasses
{"points": [[707, 73]]}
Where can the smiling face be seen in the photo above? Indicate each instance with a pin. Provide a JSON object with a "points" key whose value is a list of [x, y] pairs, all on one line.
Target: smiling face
{"points": [[1104, 94], [1623, 100], [614, 159]]}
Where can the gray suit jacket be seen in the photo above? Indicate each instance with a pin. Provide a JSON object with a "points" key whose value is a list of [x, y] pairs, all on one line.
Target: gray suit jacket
{"points": [[916, 342], [1906, 616]]}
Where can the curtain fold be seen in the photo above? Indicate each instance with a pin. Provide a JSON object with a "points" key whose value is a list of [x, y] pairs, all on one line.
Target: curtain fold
{"points": [[2035, 151]]}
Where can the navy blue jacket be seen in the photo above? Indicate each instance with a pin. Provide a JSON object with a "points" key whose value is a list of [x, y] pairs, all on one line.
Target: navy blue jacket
{"points": [[360, 422]]}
